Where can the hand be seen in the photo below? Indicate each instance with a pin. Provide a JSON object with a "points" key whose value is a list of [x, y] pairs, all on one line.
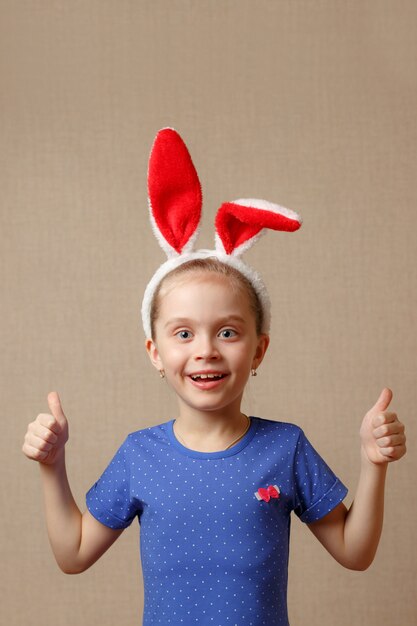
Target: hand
{"points": [[46, 437], [382, 434]]}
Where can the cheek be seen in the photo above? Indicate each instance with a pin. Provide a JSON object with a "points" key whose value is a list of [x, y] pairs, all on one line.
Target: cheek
{"points": [[242, 357], [173, 355]]}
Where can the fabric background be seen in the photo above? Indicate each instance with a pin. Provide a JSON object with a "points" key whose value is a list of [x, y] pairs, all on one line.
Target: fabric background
{"points": [[308, 104]]}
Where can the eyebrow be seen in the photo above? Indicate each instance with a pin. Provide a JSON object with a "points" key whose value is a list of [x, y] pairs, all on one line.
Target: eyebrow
{"points": [[219, 322]]}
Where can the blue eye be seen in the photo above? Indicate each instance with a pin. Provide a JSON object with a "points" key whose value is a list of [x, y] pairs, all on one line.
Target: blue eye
{"points": [[227, 333], [184, 334]]}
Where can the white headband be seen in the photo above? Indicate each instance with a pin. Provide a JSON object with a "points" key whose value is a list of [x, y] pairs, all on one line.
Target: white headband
{"points": [[175, 202]]}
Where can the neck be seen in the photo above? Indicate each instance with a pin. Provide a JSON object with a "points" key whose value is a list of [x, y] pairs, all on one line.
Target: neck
{"points": [[210, 431]]}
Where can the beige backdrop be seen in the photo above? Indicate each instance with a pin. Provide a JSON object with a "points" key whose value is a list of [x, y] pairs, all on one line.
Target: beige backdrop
{"points": [[311, 104]]}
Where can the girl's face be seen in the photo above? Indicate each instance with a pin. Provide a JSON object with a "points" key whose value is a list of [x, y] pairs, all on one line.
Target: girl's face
{"points": [[206, 342]]}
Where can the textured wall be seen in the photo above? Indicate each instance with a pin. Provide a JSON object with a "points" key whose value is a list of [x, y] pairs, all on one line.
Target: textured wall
{"points": [[308, 104]]}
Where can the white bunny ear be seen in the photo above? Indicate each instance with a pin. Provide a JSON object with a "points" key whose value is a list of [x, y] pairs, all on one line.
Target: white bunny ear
{"points": [[242, 222], [175, 197]]}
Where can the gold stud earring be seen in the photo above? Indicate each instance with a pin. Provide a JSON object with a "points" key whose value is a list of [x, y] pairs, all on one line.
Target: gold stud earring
{"points": [[254, 372], [162, 373]]}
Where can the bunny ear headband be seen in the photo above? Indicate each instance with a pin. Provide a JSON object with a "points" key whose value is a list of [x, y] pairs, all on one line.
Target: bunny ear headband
{"points": [[175, 201]]}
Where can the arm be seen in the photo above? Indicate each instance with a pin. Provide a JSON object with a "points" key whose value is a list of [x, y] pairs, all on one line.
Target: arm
{"points": [[77, 539], [352, 536]]}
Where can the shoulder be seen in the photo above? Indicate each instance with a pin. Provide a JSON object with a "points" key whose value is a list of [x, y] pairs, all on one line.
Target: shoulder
{"points": [[284, 429], [144, 437], [278, 432], [142, 446], [150, 437]]}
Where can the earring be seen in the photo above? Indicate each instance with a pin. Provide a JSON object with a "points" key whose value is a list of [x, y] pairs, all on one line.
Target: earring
{"points": [[162, 373], [254, 372]]}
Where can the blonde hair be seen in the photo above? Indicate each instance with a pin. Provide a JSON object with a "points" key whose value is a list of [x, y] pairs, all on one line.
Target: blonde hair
{"points": [[237, 281]]}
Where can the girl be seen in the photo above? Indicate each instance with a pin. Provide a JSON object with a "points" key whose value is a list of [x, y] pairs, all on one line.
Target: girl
{"points": [[213, 489]]}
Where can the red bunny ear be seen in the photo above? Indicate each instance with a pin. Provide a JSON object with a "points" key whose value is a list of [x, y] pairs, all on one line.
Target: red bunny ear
{"points": [[175, 196], [240, 223]]}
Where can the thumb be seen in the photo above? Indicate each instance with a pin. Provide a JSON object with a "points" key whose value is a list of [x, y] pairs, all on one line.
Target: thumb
{"points": [[56, 409], [383, 401]]}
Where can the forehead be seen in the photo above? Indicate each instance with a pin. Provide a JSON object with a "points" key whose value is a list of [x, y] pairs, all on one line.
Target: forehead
{"points": [[202, 292]]}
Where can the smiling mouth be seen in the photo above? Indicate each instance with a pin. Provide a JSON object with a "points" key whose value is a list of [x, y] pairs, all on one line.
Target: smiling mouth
{"points": [[198, 377]]}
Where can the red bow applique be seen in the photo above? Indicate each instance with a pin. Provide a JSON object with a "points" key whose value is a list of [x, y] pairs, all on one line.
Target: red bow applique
{"points": [[266, 494]]}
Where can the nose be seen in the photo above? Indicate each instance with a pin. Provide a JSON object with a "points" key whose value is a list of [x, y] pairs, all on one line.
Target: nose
{"points": [[206, 349]]}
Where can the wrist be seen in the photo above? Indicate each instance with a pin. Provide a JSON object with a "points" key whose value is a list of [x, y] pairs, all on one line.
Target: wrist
{"points": [[368, 465], [57, 466]]}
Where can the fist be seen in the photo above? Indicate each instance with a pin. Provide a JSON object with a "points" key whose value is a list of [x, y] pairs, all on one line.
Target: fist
{"points": [[382, 434], [46, 437]]}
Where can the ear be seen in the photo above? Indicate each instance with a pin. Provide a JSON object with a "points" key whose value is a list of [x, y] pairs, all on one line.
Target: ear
{"points": [[242, 222], [153, 354], [261, 348], [174, 192]]}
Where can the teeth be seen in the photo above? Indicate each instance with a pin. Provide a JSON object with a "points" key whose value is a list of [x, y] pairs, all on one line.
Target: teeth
{"points": [[204, 376]]}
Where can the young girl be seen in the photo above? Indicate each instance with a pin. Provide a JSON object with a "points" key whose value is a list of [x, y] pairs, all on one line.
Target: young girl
{"points": [[213, 489]]}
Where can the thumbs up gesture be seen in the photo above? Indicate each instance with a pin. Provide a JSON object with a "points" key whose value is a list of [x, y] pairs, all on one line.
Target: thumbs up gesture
{"points": [[46, 436], [382, 434]]}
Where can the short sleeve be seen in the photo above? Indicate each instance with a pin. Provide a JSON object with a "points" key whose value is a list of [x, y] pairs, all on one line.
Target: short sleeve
{"points": [[109, 499], [318, 489]]}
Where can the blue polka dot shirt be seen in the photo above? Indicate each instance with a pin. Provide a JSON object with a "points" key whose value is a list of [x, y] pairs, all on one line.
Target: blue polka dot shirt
{"points": [[214, 526]]}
